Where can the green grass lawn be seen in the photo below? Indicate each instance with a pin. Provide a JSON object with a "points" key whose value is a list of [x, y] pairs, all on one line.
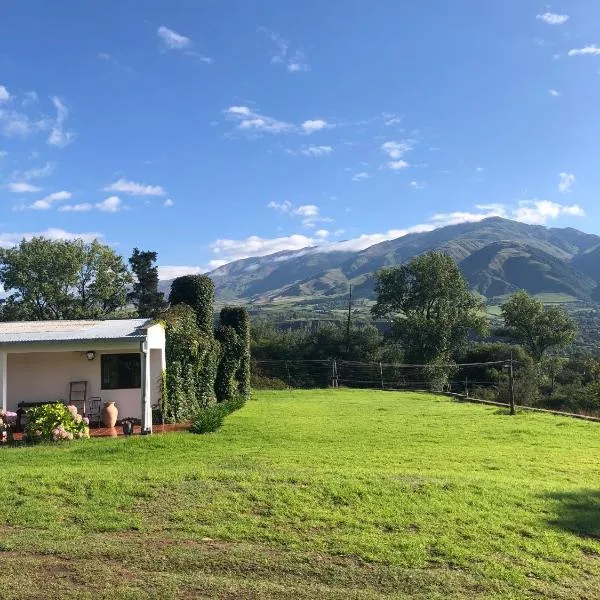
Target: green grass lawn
{"points": [[326, 494]]}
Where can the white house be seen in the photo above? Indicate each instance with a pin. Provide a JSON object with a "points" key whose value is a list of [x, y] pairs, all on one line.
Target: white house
{"points": [[114, 360]]}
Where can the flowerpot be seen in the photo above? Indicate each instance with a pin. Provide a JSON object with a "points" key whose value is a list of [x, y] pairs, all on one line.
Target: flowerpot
{"points": [[109, 414], [127, 428]]}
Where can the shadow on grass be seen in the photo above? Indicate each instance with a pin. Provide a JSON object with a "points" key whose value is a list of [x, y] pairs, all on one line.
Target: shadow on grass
{"points": [[577, 512]]}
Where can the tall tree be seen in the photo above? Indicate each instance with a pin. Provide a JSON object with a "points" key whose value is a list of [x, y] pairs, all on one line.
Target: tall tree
{"points": [[431, 306], [62, 279], [145, 295], [537, 327]]}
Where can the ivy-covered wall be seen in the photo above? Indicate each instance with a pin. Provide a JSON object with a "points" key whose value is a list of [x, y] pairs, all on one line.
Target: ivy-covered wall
{"points": [[204, 364]]}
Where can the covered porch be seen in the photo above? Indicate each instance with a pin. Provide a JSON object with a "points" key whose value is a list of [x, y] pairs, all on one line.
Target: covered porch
{"points": [[85, 363]]}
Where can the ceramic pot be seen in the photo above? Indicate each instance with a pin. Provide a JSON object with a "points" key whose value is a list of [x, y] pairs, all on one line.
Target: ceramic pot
{"points": [[109, 414]]}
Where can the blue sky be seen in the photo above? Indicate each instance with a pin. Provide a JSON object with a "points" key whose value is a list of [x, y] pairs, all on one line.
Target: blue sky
{"points": [[214, 130]]}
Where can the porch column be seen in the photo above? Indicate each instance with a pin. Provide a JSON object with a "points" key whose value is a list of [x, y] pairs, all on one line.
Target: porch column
{"points": [[3, 380], [146, 387]]}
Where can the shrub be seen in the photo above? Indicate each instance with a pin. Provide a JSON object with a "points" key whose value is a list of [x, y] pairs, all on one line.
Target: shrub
{"points": [[209, 419], [489, 394], [234, 404], [55, 422], [262, 382], [7, 423]]}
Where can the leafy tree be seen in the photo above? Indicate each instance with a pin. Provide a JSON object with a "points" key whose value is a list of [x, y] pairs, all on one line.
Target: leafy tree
{"points": [[62, 279], [431, 306], [145, 295], [197, 291], [538, 328]]}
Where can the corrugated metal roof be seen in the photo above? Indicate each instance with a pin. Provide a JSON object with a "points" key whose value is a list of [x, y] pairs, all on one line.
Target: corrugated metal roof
{"points": [[21, 332]]}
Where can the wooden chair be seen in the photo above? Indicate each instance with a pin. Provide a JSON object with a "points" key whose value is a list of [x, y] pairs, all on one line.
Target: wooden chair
{"points": [[78, 395]]}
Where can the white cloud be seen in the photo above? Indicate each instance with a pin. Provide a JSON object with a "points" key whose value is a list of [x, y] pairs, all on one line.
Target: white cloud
{"points": [[539, 212], [46, 202], [307, 210], [83, 207], [37, 173], [200, 57], [297, 63], [554, 93], [112, 204], [3, 153], [22, 187], [173, 40], [315, 150], [566, 182], [294, 63], [392, 121], [4, 94], [313, 125], [133, 188], [58, 136], [322, 233], [553, 18], [167, 272], [360, 176], [168, 203], [417, 185], [53, 233], [256, 246], [16, 124], [592, 50], [309, 213], [397, 150], [397, 165], [239, 110], [251, 121], [284, 207]]}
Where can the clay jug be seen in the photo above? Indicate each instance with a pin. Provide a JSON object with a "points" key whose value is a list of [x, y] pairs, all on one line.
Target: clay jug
{"points": [[109, 414]]}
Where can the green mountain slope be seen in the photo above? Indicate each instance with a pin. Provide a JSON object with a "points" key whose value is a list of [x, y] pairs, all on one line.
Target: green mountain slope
{"points": [[498, 256]]}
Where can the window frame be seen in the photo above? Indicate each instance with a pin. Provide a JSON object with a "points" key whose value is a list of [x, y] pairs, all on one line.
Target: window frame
{"points": [[135, 378]]}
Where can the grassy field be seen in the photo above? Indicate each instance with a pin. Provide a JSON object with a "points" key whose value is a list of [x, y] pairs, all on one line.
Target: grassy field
{"points": [[327, 494]]}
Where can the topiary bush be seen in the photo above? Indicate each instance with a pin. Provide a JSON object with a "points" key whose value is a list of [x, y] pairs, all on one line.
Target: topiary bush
{"points": [[198, 292], [192, 359], [238, 318], [226, 384], [54, 423], [208, 419]]}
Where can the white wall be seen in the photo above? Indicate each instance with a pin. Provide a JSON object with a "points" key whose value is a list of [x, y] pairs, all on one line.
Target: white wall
{"points": [[45, 376]]}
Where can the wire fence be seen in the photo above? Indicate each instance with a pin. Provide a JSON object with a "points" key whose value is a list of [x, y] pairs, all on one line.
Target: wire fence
{"points": [[314, 374], [506, 383]]}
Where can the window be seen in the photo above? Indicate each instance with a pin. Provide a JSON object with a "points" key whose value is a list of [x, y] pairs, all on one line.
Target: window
{"points": [[121, 371]]}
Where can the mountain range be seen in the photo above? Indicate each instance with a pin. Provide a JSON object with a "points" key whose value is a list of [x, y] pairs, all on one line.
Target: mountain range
{"points": [[497, 256]]}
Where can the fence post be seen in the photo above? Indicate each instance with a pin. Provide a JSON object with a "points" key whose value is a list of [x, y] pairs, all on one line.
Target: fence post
{"points": [[287, 368], [466, 387], [381, 375], [511, 375], [333, 374]]}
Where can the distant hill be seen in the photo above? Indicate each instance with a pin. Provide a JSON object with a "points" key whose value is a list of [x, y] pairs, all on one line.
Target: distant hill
{"points": [[497, 256]]}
